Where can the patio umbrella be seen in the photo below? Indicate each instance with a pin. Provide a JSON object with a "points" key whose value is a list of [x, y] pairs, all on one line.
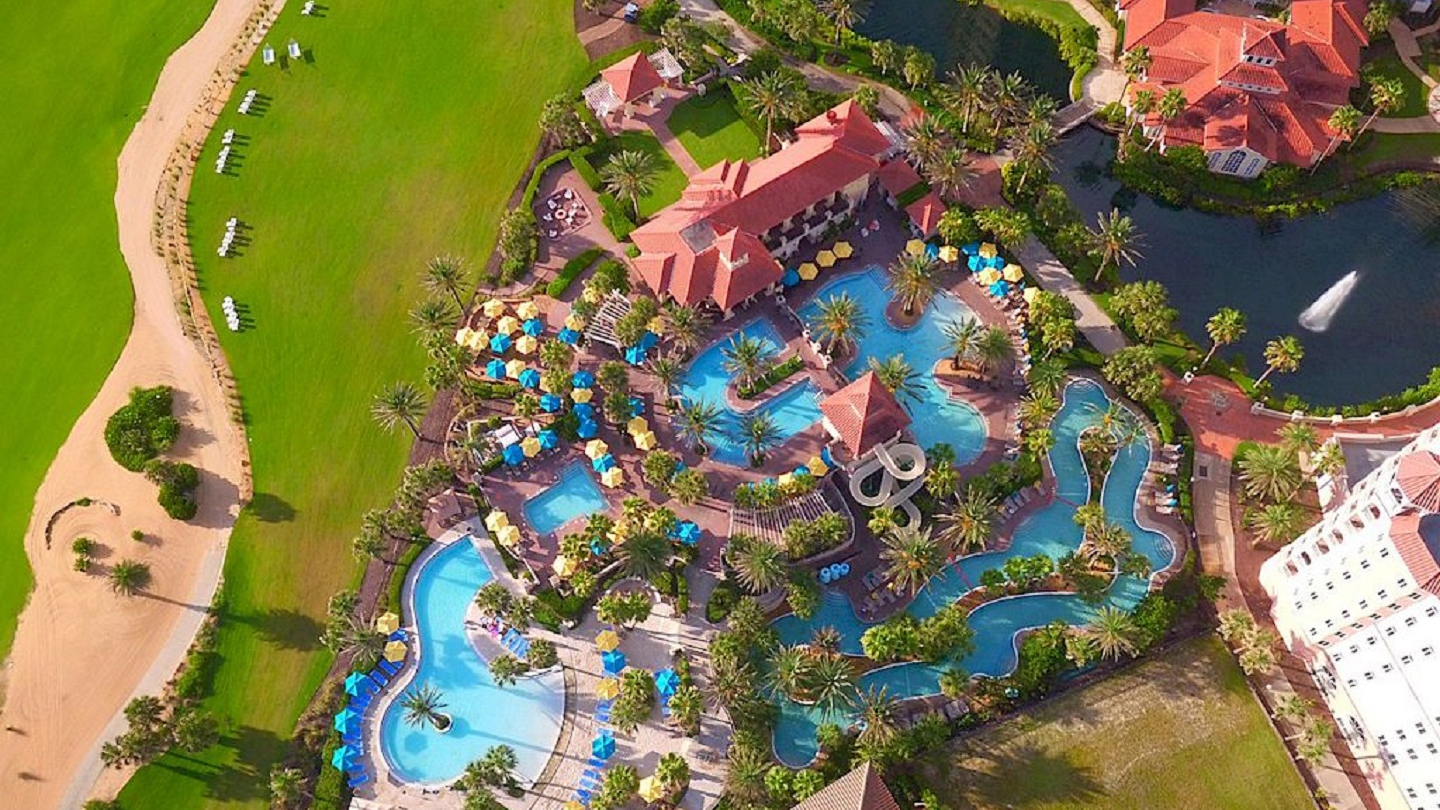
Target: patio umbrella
{"points": [[346, 718], [613, 477], [613, 661], [786, 479], [808, 271], [997, 261], [551, 403], [667, 681], [790, 278], [688, 532], [656, 327], [596, 448], [603, 463], [608, 688], [513, 368], [387, 623], [527, 310], [500, 344], [999, 289], [637, 406], [915, 247], [843, 250], [582, 379], [573, 805], [533, 327], [507, 325], [568, 336], [495, 369], [646, 440], [573, 321], [530, 378], [597, 546], [356, 683], [634, 355], [344, 758], [564, 566], [949, 253], [513, 455], [603, 747], [395, 652], [973, 263], [581, 395], [932, 252], [651, 790], [493, 308], [508, 535], [462, 336], [607, 640], [825, 258], [530, 446], [637, 426], [988, 276], [477, 341], [988, 250], [1013, 272], [526, 344], [585, 410], [496, 520], [549, 439], [586, 429], [1031, 293], [971, 249], [817, 466]]}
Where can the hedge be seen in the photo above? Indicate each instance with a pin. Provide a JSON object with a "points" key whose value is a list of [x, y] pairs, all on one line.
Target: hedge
{"points": [[397, 577], [580, 159], [330, 790], [617, 217], [527, 199], [772, 376], [571, 271]]}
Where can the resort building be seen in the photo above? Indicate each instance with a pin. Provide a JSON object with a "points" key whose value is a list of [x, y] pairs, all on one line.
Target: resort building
{"points": [[722, 243], [1357, 598], [863, 415], [1256, 91], [861, 789], [635, 80]]}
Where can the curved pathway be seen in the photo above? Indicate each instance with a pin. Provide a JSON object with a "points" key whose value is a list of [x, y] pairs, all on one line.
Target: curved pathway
{"points": [[80, 652]]}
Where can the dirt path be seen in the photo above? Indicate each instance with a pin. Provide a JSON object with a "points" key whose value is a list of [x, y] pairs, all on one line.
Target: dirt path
{"points": [[81, 652]]}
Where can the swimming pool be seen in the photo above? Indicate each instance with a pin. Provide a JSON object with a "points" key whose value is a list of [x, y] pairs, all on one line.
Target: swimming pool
{"points": [[1050, 530], [525, 715], [936, 417], [794, 409], [573, 495]]}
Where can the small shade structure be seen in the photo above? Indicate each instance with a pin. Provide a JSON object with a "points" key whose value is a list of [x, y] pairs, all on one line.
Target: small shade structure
{"points": [[988, 276], [387, 623], [530, 378], [667, 681], [647, 440], [1000, 289], [808, 271], [949, 254], [843, 250], [582, 395], [603, 747], [495, 369], [603, 463], [533, 327], [356, 683], [825, 258], [613, 477], [549, 439], [508, 536], [477, 341], [587, 429], [513, 368], [531, 446], [575, 322], [1013, 272], [513, 455], [613, 661], [608, 688], [637, 425], [596, 448], [988, 250], [1031, 293], [526, 344], [564, 566], [973, 262], [582, 379], [507, 325], [915, 247], [585, 410], [493, 308], [551, 403], [790, 278], [462, 337], [344, 758], [496, 520], [817, 466], [501, 344], [687, 532], [568, 336], [395, 651], [527, 310], [651, 790], [607, 641], [346, 719]]}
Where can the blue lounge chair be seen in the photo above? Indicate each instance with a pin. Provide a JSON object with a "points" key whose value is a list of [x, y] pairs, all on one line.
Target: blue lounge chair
{"points": [[359, 702], [398, 635], [596, 762], [359, 780], [583, 796], [380, 678], [590, 784], [605, 705], [593, 773], [388, 667]]}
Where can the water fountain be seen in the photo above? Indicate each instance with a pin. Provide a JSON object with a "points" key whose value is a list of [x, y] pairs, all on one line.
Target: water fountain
{"points": [[1317, 316]]}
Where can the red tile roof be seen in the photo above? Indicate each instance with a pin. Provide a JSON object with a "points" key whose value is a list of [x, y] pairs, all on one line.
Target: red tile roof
{"points": [[1418, 475], [1417, 538], [631, 78], [861, 789], [898, 177], [864, 414], [926, 212]]}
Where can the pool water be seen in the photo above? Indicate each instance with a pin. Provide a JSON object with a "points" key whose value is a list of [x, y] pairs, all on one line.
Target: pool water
{"points": [[1050, 530], [936, 417], [574, 495], [525, 715], [794, 409]]}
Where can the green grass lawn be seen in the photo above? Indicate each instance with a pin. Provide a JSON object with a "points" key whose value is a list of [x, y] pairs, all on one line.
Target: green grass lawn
{"points": [[1179, 732], [711, 130], [1381, 147], [1390, 66], [76, 79], [402, 140], [669, 180], [1056, 11]]}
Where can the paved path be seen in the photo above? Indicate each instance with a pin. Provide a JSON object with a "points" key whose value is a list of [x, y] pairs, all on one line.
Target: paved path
{"points": [[1092, 321], [1105, 82], [1419, 125]]}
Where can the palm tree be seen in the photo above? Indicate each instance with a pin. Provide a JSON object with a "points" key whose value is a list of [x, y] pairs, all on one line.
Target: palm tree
{"points": [[129, 577], [789, 671], [672, 771], [1090, 517], [844, 14], [949, 172], [1008, 90], [963, 337], [994, 348], [777, 94], [496, 767], [1114, 632], [1277, 523], [1344, 123], [746, 358], [699, 419], [1110, 540], [1224, 328], [1171, 105], [1271, 472], [433, 319], [1047, 376], [898, 377], [912, 280], [1329, 459], [830, 682], [760, 432], [839, 320], [883, 520], [683, 326], [1037, 408], [1298, 437], [686, 706], [941, 481], [1033, 150], [927, 139], [1116, 240], [966, 528], [445, 274], [1386, 95], [759, 565], [966, 89], [668, 372], [630, 175], [912, 557], [877, 716], [1135, 62], [1141, 105], [400, 403], [287, 786], [1282, 354], [644, 554], [423, 704]]}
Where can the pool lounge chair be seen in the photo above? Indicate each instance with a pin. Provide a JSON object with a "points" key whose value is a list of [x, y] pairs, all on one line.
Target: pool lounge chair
{"points": [[388, 667], [583, 796], [380, 678], [358, 780], [360, 701], [596, 762]]}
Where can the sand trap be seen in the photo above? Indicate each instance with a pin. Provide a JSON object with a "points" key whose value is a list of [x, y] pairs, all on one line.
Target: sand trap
{"points": [[81, 652]]}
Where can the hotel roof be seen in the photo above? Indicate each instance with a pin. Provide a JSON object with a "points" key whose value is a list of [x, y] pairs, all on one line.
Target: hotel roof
{"points": [[632, 77], [864, 414]]}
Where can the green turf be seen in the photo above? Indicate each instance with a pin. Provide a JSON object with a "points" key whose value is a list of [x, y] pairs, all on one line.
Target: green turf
{"points": [[669, 180], [76, 78], [1383, 148], [1390, 66], [711, 130], [1057, 11], [402, 139]]}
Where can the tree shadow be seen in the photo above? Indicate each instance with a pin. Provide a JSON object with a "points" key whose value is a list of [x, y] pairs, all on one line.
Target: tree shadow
{"points": [[1024, 776], [285, 628], [268, 507]]}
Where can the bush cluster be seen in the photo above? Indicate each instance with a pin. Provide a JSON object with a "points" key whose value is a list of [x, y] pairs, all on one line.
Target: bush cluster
{"points": [[572, 271], [144, 428], [177, 484]]}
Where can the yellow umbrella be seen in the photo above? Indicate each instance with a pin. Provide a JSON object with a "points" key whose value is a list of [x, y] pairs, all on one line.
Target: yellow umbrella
{"points": [[825, 258], [573, 805], [508, 535], [656, 325], [531, 446], [915, 247], [527, 310], [988, 250], [395, 652], [607, 689], [478, 341], [613, 477], [496, 520], [949, 253], [607, 640], [843, 250], [637, 425], [988, 276], [592, 294], [493, 308], [507, 325], [595, 448], [513, 368], [650, 789], [526, 344], [646, 440], [564, 566], [808, 271], [1031, 293], [581, 394], [785, 479], [817, 466], [387, 623], [462, 337], [575, 322], [1013, 272]]}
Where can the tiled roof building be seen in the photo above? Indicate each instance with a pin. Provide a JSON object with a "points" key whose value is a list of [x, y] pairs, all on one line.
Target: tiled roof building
{"points": [[863, 414], [861, 789]]}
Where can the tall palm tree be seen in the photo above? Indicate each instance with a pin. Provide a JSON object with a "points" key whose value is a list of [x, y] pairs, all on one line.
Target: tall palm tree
{"points": [[966, 528], [1141, 105], [496, 767], [777, 94], [672, 771], [1271, 472], [1047, 375], [1037, 408], [433, 319], [424, 704], [445, 274], [1135, 62], [668, 372], [630, 175], [760, 432], [1090, 517], [1171, 105], [1109, 540], [1116, 240], [830, 683], [1276, 522], [1344, 124], [399, 404], [839, 320], [912, 556], [844, 15], [129, 577], [1329, 459], [1114, 632], [1032, 151], [686, 706], [994, 348], [1224, 328], [1008, 89], [967, 90], [699, 419], [1386, 95], [287, 786], [759, 565], [877, 715], [683, 326], [1282, 354], [898, 377], [1298, 437], [644, 554], [963, 337], [949, 172], [927, 140], [746, 357], [789, 671], [912, 280]]}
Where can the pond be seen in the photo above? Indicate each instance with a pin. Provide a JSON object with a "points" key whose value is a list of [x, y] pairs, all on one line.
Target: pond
{"points": [[1372, 333], [956, 33]]}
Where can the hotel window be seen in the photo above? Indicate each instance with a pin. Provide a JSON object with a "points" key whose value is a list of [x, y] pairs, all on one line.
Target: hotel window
{"points": [[1364, 563], [1384, 552], [1370, 676], [1382, 594], [1232, 165], [1430, 611], [1409, 621]]}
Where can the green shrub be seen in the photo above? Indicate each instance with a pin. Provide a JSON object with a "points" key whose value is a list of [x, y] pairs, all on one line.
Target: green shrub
{"points": [[657, 14], [197, 677], [572, 271], [330, 791], [527, 199], [580, 159], [83, 545], [722, 601], [616, 217], [177, 484], [397, 577], [144, 428]]}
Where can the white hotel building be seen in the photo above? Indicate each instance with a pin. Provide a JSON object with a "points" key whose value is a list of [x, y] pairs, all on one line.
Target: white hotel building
{"points": [[1357, 597]]}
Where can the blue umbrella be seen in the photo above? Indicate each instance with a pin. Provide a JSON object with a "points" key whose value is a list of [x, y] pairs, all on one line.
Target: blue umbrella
{"points": [[999, 288], [495, 369], [791, 278], [666, 681], [603, 746], [500, 344], [995, 261], [972, 249], [514, 455], [973, 263], [597, 546], [551, 403], [637, 406], [614, 661], [549, 439], [346, 719], [688, 533], [533, 327], [583, 379], [587, 429], [802, 470], [344, 758], [932, 251], [356, 682], [569, 336], [603, 463], [530, 378], [648, 341], [634, 355], [585, 411]]}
